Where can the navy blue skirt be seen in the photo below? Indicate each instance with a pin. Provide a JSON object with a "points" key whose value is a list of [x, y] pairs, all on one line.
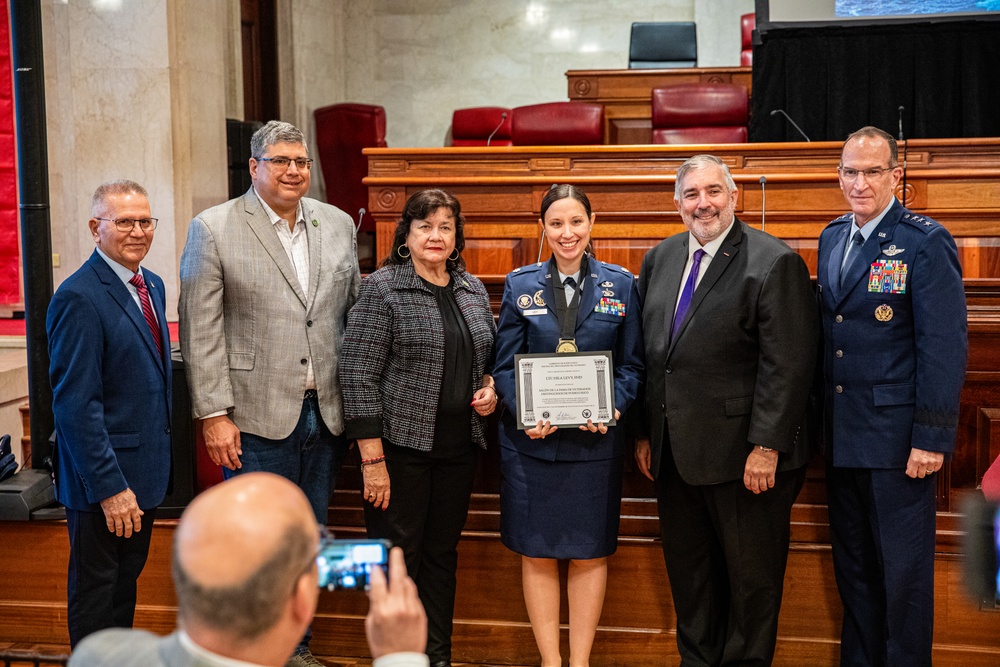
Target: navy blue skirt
{"points": [[560, 509]]}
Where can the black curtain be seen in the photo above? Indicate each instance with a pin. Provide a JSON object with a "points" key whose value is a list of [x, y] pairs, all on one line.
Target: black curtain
{"points": [[834, 80]]}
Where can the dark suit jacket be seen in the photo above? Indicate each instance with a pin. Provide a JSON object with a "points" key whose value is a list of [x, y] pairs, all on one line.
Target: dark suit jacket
{"points": [[899, 373], [739, 371], [110, 389], [527, 327]]}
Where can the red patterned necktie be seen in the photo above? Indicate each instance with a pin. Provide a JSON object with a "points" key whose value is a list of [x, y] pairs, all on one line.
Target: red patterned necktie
{"points": [[147, 310]]}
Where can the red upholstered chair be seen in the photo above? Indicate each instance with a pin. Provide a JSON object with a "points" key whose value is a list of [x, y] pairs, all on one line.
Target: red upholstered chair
{"points": [[558, 124], [342, 131], [473, 126], [747, 23], [700, 113]]}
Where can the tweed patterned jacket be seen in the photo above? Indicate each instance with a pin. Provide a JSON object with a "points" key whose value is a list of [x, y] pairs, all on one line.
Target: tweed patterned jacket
{"points": [[393, 355]]}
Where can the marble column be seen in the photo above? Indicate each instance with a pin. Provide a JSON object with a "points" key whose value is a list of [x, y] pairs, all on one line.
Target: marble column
{"points": [[135, 89]]}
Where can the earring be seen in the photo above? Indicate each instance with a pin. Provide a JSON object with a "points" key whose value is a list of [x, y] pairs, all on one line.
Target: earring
{"points": [[456, 255], [399, 251]]}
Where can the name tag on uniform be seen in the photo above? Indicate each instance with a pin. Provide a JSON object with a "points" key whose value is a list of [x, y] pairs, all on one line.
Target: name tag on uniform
{"points": [[535, 311], [887, 276]]}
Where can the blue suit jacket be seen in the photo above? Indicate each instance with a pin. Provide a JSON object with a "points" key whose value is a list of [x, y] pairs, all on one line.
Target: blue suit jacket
{"points": [[518, 333], [894, 360], [111, 390]]}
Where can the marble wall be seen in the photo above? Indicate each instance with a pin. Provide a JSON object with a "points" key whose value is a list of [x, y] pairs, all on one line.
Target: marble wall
{"points": [[134, 89], [422, 59]]}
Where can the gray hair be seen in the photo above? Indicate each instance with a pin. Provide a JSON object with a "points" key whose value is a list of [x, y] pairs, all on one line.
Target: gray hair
{"points": [[250, 608], [699, 162], [121, 186], [274, 132]]}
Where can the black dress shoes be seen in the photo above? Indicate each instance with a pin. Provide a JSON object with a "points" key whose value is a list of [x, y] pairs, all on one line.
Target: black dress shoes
{"points": [[441, 663]]}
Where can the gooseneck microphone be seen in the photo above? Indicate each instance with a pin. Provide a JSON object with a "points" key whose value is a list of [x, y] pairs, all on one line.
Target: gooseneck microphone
{"points": [[763, 201], [361, 215], [794, 124], [902, 195], [496, 129]]}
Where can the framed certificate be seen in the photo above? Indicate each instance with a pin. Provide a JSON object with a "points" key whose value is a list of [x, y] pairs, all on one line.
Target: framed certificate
{"points": [[565, 389]]}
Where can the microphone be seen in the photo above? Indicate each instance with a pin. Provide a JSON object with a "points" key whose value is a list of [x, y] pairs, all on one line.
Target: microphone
{"points": [[540, 245], [503, 117], [361, 214], [794, 124], [763, 201], [902, 194]]}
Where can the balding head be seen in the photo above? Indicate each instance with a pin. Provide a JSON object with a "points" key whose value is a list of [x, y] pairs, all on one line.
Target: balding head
{"points": [[239, 550]]}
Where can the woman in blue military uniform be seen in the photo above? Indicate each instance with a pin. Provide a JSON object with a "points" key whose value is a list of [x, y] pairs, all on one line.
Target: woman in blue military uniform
{"points": [[560, 493]]}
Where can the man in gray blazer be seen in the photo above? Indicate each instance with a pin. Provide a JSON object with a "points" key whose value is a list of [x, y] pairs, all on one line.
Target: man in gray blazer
{"points": [[266, 283], [731, 329], [247, 584]]}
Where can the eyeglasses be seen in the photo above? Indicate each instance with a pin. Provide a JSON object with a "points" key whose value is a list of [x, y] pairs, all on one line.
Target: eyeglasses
{"points": [[281, 162], [128, 224], [849, 174]]}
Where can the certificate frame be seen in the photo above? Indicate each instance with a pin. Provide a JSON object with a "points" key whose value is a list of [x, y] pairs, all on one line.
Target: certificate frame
{"points": [[549, 387]]}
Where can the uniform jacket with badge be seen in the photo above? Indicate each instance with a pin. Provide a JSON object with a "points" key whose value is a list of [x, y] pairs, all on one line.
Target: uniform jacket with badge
{"points": [[739, 371], [608, 319], [110, 389], [895, 341]]}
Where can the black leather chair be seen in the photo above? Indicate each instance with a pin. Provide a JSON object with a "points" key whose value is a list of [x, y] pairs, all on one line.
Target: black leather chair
{"points": [[659, 45]]}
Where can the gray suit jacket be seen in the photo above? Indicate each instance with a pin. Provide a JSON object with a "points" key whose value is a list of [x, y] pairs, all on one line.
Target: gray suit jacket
{"points": [[122, 647], [739, 372], [246, 328], [131, 648]]}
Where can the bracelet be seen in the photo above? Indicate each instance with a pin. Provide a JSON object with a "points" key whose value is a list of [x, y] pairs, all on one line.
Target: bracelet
{"points": [[373, 461]]}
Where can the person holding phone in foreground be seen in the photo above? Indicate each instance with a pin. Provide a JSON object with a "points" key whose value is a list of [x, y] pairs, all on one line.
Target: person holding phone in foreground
{"points": [[246, 580], [560, 493]]}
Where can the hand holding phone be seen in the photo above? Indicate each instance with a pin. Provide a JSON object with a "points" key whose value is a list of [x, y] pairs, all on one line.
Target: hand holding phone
{"points": [[350, 563], [396, 621]]}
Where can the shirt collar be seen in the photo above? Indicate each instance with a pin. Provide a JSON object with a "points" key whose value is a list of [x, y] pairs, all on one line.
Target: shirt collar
{"points": [[712, 247], [275, 218], [207, 657], [870, 226], [123, 272]]}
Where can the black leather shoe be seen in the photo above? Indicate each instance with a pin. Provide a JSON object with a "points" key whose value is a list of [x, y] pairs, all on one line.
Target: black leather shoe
{"points": [[441, 663]]}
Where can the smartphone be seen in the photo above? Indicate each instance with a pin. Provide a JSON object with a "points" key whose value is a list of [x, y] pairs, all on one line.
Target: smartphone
{"points": [[349, 563]]}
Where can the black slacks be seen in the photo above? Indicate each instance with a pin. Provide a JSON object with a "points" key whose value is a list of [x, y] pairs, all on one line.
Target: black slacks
{"points": [[103, 569], [726, 551], [428, 505]]}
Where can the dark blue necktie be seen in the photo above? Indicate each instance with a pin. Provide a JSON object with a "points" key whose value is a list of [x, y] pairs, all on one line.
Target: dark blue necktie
{"points": [[852, 251], [687, 293]]}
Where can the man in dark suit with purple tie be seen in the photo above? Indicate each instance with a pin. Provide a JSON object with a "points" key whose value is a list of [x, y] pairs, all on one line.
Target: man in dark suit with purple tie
{"points": [[110, 370], [731, 328]]}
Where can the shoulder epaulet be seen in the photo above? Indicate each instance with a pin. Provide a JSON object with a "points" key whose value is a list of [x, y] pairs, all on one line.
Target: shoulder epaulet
{"points": [[920, 222], [530, 268], [847, 217]]}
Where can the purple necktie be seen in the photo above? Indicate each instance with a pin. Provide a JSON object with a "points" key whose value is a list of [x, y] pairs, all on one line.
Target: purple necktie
{"points": [[687, 292], [147, 310]]}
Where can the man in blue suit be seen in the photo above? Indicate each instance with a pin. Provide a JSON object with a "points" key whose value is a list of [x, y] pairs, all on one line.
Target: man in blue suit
{"points": [[110, 371], [895, 345]]}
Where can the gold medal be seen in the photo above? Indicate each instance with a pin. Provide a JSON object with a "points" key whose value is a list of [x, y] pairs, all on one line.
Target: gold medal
{"points": [[883, 313], [566, 345]]}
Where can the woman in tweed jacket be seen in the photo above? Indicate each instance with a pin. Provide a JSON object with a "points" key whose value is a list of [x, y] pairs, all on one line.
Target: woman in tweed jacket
{"points": [[416, 391]]}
